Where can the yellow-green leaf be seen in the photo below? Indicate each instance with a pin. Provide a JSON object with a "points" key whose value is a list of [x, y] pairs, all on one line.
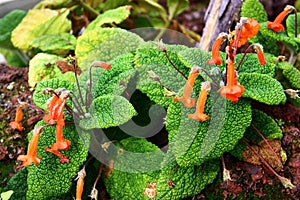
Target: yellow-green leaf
{"points": [[37, 23]]}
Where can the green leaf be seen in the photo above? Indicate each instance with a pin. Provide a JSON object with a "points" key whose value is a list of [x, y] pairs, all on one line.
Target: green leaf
{"points": [[152, 59], [17, 184], [255, 10], [176, 7], [291, 74], [37, 23], [52, 42], [193, 142], [188, 181], [267, 127], [262, 88], [115, 80], [51, 179], [6, 195], [40, 99], [104, 44], [111, 16], [8, 23], [137, 155], [13, 57], [107, 111], [42, 67], [192, 57], [252, 65], [290, 25], [268, 38]]}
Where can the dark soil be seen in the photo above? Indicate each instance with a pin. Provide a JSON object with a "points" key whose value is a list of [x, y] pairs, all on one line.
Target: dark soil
{"points": [[13, 88]]}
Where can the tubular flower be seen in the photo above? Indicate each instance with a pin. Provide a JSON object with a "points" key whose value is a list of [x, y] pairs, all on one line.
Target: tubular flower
{"points": [[216, 59], [199, 114], [276, 24], [260, 54], [56, 108], [188, 88], [17, 123], [63, 159], [246, 29], [32, 149], [61, 143], [232, 90], [80, 184]]}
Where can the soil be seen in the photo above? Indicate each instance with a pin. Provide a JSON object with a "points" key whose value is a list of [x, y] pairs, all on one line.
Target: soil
{"points": [[14, 88]]}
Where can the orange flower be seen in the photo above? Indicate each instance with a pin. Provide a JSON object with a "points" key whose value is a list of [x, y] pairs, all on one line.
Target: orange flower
{"points": [[276, 24], [246, 29], [260, 54], [80, 184], [199, 114], [188, 88], [56, 107], [32, 149], [61, 143], [232, 91], [17, 123], [216, 59], [63, 159]]}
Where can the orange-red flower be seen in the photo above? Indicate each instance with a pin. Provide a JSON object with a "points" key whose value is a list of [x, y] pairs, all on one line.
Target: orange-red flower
{"points": [[216, 59], [56, 107], [276, 24], [249, 28], [232, 90], [80, 184], [17, 123], [199, 114], [63, 159], [32, 149], [260, 54], [186, 99]]}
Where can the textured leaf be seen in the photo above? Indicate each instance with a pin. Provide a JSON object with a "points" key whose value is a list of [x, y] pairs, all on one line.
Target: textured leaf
{"points": [[41, 99], [290, 25], [290, 73], [268, 38], [107, 111], [52, 42], [252, 65], [39, 68], [18, 184], [137, 155], [255, 10], [176, 7], [111, 16], [37, 23], [104, 44], [195, 57], [115, 80], [193, 142], [262, 88], [188, 181], [8, 23], [152, 59], [51, 179], [267, 127]]}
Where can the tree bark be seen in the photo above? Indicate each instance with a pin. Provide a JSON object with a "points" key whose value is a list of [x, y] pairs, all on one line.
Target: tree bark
{"points": [[220, 16]]}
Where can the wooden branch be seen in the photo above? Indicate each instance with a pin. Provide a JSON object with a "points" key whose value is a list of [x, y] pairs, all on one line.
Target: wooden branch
{"points": [[220, 16]]}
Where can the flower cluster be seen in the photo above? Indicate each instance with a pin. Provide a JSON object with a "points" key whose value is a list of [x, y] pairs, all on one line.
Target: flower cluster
{"points": [[55, 106], [232, 90]]}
